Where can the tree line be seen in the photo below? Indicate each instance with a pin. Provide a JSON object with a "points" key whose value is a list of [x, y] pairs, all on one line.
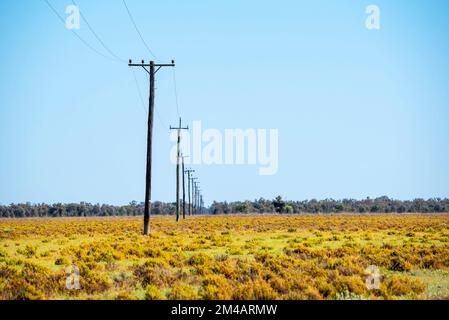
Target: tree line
{"points": [[83, 209], [377, 205], [277, 205]]}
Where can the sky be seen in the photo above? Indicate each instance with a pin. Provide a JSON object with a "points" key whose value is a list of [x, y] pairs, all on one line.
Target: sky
{"points": [[359, 113]]}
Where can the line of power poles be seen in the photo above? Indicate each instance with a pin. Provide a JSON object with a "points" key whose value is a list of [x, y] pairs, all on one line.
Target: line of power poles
{"points": [[195, 197], [195, 204]]}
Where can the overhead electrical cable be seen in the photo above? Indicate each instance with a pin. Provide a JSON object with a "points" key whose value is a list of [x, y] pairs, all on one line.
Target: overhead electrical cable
{"points": [[162, 122], [176, 92], [97, 37], [76, 34], [138, 31]]}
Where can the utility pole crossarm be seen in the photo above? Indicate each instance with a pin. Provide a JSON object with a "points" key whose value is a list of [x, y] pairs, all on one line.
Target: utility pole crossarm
{"points": [[180, 127], [143, 64]]}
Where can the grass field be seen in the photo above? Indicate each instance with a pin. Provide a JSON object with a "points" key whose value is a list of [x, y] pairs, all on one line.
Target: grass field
{"points": [[227, 257]]}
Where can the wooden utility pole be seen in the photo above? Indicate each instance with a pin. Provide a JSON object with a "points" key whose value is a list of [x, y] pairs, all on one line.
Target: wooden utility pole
{"points": [[193, 198], [200, 210], [183, 188], [194, 195], [152, 72], [189, 171], [201, 203], [178, 157], [198, 200]]}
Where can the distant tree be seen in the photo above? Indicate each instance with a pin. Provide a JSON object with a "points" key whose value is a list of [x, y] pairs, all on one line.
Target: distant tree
{"points": [[242, 207], [279, 204], [289, 208]]}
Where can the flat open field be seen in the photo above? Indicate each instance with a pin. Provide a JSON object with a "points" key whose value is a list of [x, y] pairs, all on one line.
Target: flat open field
{"points": [[227, 257]]}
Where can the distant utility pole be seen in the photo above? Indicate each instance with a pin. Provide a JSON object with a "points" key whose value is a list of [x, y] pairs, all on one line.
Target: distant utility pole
{"points": [[201, 203], [198, 201], [183, 188], [189, 171], [194, 194], [152, 72], [178, 157], [197, 191], [196, 198]]}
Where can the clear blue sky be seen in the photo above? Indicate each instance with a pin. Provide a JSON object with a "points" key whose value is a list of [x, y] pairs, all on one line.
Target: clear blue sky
{"points": [[360, 113]]}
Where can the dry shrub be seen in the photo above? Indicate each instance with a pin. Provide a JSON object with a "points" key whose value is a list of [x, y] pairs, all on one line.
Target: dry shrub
{"points": [[221, 258], [247, 270], [29, 251], [22, 280], [92, 281], [155, 271], [300, 251], [153, 293], [183, 292], [176, 259], [325, 287], [226, 268], [125, 281], [62, 261], [215, 287], [312, 293], [123, 295], [155, 253], [351, 284], [201, 262], [255, 290], [200, 259], [396, 286], [276, 263], [281, 285]]}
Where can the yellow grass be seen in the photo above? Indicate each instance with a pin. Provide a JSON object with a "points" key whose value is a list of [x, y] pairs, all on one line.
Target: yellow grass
{"points": [[227, 257]]}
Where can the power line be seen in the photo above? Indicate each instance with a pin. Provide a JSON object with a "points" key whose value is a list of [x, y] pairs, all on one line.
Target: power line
{"points": [[162, 122], [119, 59], [138, 90], [176, 92], [97, 37], [137, 29], [75, 33]]}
